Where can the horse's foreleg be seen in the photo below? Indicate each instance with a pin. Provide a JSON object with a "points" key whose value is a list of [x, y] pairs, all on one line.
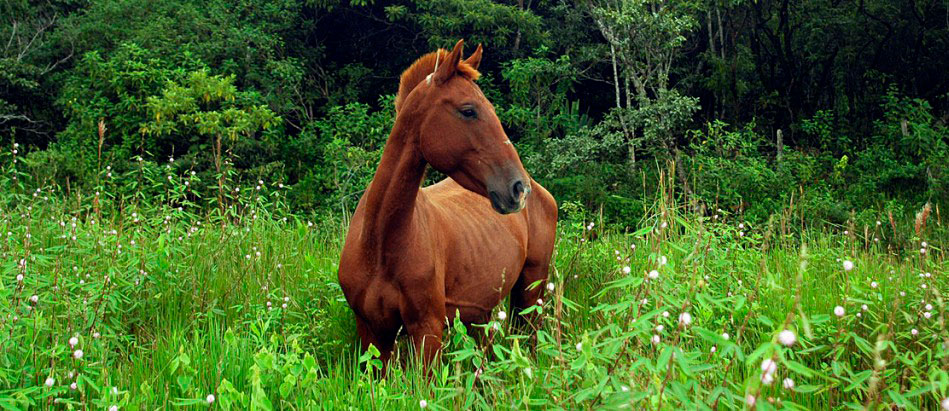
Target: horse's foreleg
{"points": [[427, 337], [383, 341]]}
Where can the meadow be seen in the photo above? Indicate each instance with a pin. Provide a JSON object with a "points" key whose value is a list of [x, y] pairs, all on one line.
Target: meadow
{"points": [[749, 196], [149, 301]]}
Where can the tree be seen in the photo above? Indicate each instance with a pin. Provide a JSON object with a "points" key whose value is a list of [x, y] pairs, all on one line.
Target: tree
{"points": [[538, 103], [644, 38], [27, 57], [115, 90], [245, 38], [509, 31], [210, 106]]}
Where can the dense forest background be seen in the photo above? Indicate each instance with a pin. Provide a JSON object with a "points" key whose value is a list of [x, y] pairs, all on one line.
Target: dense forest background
{"points": [[749, 106]]}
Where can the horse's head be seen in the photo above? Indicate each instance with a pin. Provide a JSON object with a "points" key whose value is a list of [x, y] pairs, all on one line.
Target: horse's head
{"points": [[459, 132]]}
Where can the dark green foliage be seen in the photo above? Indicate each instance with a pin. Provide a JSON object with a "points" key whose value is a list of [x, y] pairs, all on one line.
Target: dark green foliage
{"points": [[337, 155], [906, 155], [505, 29], [115, 90], [244, 38], [538, 106], [599, 96]]}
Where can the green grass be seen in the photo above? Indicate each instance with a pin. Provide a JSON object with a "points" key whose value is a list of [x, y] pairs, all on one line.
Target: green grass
{"points": [[183, 313]]}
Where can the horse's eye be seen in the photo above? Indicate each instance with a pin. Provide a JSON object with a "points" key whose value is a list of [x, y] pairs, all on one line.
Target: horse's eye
{"points": [[469, 113]]}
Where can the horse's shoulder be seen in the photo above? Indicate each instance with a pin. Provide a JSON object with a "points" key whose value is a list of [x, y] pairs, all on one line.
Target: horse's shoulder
{"points": [[543, 200]]}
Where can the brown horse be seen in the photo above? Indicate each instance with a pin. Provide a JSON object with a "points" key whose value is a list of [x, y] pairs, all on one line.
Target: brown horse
{"points": [[414, 256]]}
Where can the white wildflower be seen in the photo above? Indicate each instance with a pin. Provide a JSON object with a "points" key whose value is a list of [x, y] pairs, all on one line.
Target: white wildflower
{"points": [[788, 384], [787, 338]]}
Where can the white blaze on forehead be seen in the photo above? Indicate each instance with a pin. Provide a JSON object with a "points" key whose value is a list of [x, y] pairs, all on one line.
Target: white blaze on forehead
{"points": [[507, 141]]}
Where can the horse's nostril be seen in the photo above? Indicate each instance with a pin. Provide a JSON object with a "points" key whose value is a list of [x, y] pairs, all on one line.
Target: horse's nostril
{"points": [[517, 189]]}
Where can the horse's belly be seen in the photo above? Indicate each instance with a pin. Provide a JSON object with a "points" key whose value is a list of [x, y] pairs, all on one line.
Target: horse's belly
{"points": [[478, 278]]}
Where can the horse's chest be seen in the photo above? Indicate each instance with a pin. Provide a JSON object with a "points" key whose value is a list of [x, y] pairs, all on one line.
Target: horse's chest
{"points": [[376, 299]]}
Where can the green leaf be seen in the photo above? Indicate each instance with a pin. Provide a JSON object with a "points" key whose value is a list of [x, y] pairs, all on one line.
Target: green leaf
{"points": [[799, 368], [807, 389], [858, 380]]}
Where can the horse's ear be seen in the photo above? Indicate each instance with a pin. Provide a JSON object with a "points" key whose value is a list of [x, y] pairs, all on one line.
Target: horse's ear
{"points": [[446, 69], [474, 60]]}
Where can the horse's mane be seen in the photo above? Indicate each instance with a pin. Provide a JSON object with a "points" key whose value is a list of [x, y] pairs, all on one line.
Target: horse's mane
{"points": [[425, 65]]}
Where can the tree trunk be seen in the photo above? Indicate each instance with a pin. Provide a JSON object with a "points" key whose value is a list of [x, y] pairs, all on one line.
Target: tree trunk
{"points": [[721, 35], [517, 39], [619, 109], [711, 34], [780, 144], [717, 99], [615, 74]]}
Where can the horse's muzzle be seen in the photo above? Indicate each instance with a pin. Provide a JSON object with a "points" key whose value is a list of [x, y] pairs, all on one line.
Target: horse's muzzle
{"points": [[512, 199]]}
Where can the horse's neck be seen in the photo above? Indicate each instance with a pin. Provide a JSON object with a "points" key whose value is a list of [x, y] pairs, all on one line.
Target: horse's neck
{"points": [[391, 197]]}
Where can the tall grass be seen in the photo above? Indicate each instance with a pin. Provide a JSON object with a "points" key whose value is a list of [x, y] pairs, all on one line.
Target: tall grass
{"points": [[146, 300]]}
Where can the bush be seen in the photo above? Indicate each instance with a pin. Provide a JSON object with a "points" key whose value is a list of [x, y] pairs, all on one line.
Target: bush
{"points": [[336, 156], [906, 156]]}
